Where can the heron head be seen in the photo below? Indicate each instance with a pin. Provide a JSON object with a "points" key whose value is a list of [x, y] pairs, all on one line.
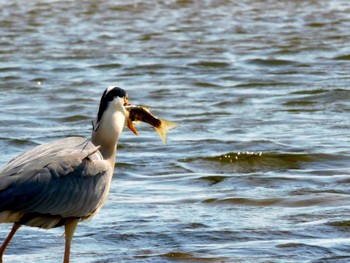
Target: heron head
{"points": [[115, 99]]}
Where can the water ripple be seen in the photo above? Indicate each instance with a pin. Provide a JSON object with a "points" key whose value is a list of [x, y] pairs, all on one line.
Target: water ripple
{"points": [[257, 169]]}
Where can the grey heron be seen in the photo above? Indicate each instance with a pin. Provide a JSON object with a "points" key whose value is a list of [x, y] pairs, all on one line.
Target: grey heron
{"points": [[65, 181]]}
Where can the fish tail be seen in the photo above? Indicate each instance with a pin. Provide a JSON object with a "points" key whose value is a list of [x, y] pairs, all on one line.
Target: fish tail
{"points": [[163, 128]]}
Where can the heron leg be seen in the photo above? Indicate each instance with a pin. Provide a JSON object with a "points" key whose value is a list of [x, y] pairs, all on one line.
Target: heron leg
{"points": [[8, 239], [69, 232]]}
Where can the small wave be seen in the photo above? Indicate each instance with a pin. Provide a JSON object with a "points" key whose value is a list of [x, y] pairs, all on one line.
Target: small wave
{"points": [[308, 248], [343, 224], [316, 24], [343, 57], [214, 179], [203, 84], [293, 201], [184, 257], [298, 103], [271, 62], [243, 201], [247, 162], [210, 64], [264, 84], [9, 69], [21, 142], [326, 96], [310, 92], [107, 66], [74, 118]]}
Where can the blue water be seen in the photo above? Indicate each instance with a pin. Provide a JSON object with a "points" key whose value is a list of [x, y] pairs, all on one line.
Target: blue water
{"points": [[257, 169]]}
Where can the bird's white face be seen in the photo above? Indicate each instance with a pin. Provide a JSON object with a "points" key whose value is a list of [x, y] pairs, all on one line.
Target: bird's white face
{"points": [[118, 104], [113, 114]]}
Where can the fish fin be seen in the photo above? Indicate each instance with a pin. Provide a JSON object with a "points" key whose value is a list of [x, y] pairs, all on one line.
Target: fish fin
{"points": [[163, 129]]}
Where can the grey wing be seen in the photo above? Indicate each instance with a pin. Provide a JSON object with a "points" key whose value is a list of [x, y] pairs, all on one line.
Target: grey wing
{"points": [[66, 181], [40, 155]]}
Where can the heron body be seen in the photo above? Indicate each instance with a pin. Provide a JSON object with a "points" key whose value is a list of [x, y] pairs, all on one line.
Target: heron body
{"points": [[65, 181]]}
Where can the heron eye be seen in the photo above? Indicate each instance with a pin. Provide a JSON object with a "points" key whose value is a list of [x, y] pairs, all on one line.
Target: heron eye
{"points": [[126, 101]]}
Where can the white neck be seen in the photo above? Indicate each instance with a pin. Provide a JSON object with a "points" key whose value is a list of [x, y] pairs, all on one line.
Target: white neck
{"points": [[107, 132]]}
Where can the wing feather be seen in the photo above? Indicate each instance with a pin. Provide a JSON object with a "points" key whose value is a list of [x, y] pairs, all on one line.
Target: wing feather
{"points": [[66, 178]]}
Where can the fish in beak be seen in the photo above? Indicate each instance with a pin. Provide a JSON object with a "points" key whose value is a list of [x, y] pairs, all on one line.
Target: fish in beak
{"points": [[141, 113]]}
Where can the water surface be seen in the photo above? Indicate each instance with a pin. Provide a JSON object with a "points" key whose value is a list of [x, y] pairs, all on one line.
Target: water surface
{"points": [[257, 170]]}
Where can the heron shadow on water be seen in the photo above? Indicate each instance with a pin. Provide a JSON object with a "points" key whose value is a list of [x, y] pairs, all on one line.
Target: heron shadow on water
{"points": [[66, 181]]}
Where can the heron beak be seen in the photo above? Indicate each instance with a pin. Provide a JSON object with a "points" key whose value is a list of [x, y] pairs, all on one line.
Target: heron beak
{"points": [[129, 123]]}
